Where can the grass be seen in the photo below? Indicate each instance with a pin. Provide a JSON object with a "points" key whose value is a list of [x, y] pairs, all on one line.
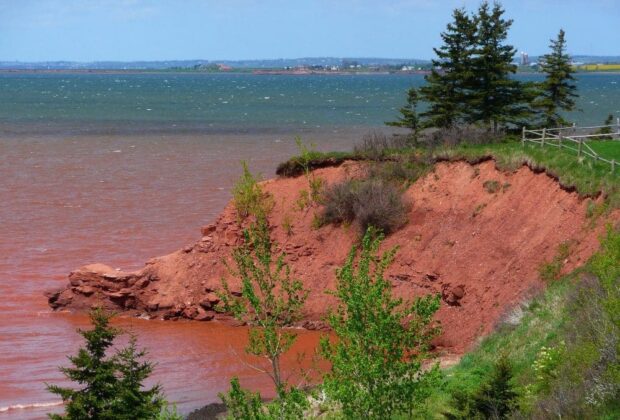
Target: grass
{"points": [[586, 176], [575, 316], [609, 149]]}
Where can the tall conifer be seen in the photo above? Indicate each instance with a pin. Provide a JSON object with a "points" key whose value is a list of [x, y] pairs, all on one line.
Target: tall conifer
{"points": [[447, 85], [558, 91], [496, 99]]}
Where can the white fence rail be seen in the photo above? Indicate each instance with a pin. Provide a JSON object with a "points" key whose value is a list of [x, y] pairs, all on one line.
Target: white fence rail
{"points": [[575, 138]]}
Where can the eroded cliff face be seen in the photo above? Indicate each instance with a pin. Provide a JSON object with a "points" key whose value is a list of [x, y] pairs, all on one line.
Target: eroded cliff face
{"points": [[481, 251]]}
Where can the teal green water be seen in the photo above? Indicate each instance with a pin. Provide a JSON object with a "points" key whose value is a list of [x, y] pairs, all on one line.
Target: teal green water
{"points": [[230, 102]]}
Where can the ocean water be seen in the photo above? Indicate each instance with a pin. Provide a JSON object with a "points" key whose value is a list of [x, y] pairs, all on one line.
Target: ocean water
{"points": [[119, 168], [230, 103]]}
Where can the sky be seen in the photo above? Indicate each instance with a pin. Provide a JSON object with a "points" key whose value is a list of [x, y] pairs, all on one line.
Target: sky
{"points": [[131, 30]]}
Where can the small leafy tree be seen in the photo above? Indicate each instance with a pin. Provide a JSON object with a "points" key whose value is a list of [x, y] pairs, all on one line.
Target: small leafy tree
{"points": [[409, 115], [112, 385], [380, 341], [270, 301], [558, 91]]}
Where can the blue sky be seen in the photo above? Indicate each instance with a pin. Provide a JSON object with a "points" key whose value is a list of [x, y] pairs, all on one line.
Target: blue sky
{"points": [[85, 30]]}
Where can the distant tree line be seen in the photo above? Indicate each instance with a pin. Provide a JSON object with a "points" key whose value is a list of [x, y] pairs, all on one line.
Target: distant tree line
{"points": [[471, 79]]}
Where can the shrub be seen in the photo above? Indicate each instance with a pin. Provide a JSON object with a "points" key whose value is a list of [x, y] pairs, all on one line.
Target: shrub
{"points": [[495, 399], [249, 198], [380, 341], [339, 201], [370, 202], [463, 134], [375, 145], [381, 205]]}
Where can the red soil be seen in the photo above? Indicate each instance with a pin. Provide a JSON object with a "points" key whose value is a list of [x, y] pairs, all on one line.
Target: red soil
{"points": [[481, 251]]}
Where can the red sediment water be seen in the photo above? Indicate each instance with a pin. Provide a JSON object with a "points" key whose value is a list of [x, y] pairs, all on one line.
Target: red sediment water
{"points": [[70, 201]]}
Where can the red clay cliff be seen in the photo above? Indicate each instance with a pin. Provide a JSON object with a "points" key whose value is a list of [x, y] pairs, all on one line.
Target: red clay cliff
{"points": [[481, 251]]}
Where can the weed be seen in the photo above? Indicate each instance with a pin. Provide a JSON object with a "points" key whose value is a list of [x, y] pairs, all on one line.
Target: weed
{"points": [[287, 224], [491, 186], [505, 186], [248, 197], [316, 187], [303, 200], [478, 209], [551, 270]]}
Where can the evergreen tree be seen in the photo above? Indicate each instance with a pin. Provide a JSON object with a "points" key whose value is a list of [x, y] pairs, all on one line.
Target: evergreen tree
{"points": [[558, 91], [496, 99], [448, 85], [409, 115], [134, 402], [111, 384]]}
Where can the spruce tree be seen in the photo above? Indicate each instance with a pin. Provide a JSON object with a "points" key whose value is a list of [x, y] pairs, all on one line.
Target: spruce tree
{"points": [[496, 99], [111, 385], [448, 85], [409, 115], [558, 91]]}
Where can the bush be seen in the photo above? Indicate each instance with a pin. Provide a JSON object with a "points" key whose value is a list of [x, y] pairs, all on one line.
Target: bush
{"points": [[370, 202], [375, 145], [380, 341], [495, 399], [463, 134]]}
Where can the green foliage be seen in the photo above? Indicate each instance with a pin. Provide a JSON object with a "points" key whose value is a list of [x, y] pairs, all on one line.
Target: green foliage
{"points": [[496, 98], [242, 404], [409, 115], [112, 386], [169, 413], [248, 197], [495, 399], [270, 301], [606, 130], [447, 91], [246, 405], [474, 85], [564, 349], [369, 202], [558, 91], [380, 341]]}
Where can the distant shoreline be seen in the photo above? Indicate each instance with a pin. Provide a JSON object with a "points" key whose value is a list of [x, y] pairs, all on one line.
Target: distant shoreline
{"points": [[268, 72]]}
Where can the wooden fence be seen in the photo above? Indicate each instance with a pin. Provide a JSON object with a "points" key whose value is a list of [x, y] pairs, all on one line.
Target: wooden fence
{"points": [[575, 138]]}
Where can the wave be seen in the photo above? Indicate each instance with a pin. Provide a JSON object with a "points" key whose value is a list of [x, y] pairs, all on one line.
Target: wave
{"points": [[29, 406]]}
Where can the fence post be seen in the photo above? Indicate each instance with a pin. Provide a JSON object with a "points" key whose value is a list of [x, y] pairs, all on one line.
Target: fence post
{"points": [[580, 146], [544, 134], [560, 140], [523, 136]]}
